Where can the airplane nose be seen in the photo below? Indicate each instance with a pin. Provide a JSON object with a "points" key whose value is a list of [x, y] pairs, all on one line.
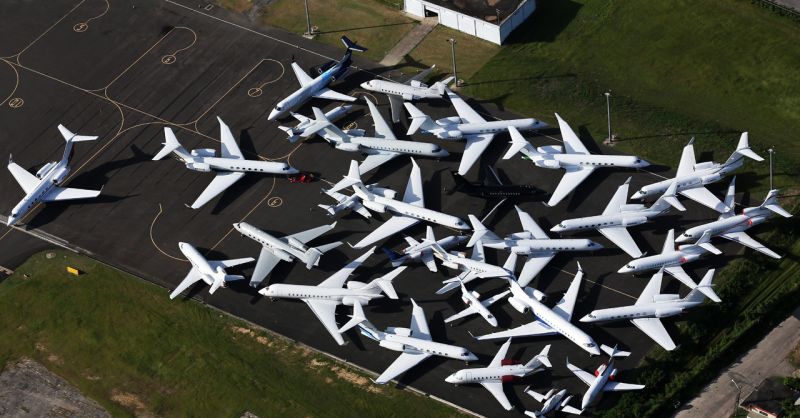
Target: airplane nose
{"points": [[624, 269], [273, 115], [291, 170], [365, 85], [595, 351], [451, 378], [556, 228], [585, 319], [637, 195]]}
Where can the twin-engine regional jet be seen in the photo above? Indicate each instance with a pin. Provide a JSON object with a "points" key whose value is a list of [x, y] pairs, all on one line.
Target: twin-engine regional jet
{"points": [[468, 125], [423, 251], [300, 130], [692, 176], [603, 378], [410, 90], [499, 371], [210, 271], [415, 343], [230, 166], [653, 305], [324, 298], [574, 158], [288, 248], [476, 306], [43, 187], [553, 401], [318, 87], [618, 216], [732, 227]]}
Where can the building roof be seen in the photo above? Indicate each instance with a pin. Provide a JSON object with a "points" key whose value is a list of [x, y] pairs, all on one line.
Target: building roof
{"points": [[482, 9], [769, 396]]}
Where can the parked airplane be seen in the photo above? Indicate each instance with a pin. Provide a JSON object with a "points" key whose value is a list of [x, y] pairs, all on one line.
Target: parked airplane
{"points": [[651, 306], [492, 187], [299, 130], [407, 212], [353, 202], [415, 344], [733, 227], [211, 272], [577, 161], [532, 242], [318, 87], [468, 125], [500, 371], [692, 176], [553, 402], [380, 149], [476, 306], [619, 215], [411, 90], [603, 378], [43, 187], [671, 261], [474, 267], [230, 166], [324, 298], [422, 251], [547, 321], [288, 248]]}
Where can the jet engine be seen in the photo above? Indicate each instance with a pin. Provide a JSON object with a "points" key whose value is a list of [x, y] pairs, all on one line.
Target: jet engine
{"points": [[629, 207], [348, 146], [204, 152], [689, 257], [666, 297], [711, 178], [638, 220], [350, 301], [403, 332], [199, 167], [418, 84], [296, 244], [519, 305], [409, 97], [59, 175], [382, 191], [548, 163], [756, 220], [663, 313], [391, 345], [374, 206], [704, 165], [45, 169], [550, 149], [451, 134], [600, 369], [283, 255]]}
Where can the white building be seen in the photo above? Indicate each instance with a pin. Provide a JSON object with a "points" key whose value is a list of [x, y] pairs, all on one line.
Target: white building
{"points": [[475, 17]]}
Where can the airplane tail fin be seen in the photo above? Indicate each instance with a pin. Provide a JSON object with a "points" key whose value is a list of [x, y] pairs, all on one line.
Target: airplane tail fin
{"points": [[352, 46], [669, 198], [511, 262], [395, 258], [613, 352], [293, 135], [312, 256], [705, 242], [353, 177], [322, 249], [743, 150], [704, 289], [542, 358], [429, 234], [368, 330], [459, 180], [170, 144], [355, 319], [480, 232], [518, 143], [385, 282], [328, 208], [771, 203], [440, 86], [69, 136], [418, 119]]}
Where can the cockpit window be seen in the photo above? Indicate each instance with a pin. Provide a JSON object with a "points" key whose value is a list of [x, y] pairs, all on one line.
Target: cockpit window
{"points": [[279, 109]]}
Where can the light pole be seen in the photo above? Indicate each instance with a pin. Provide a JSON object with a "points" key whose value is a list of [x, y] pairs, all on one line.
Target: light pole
{"points": [[308, 33], [608, 112], [453, 54], [738, 395], [771, 151]]}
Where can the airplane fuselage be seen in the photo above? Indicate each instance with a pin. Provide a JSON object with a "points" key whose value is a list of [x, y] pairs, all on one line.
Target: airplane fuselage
{"points": [[625, 219], [369, 145], [478, 268], [553, 403], [407, 92], [533, 245], [711, 173], [651, 310], [207, 164], [472, 300], [596, 387], [564, 160], [283, 250], [415, 345], [562, 326], [736, 223], [416, 212], [452, 128], [306, 92], [478, 375], [198, 262], [51, 179], [669, 259], [415, 251], [336, 294]]}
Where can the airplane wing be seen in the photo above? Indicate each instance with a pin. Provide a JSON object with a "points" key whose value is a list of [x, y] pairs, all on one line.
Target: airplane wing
{"points": [[655, 330], [301, 75], [571, 410], [478, 253], [26, 180], [414, 193], [325, 311], [619, 199], [191, 278], [396, 103], [620, 236], [400, 366], [572, 143], [429, 260], [469, 310], [619, 386], [686, 166], [653, 288], [748, 241], [533, 265], [229, 263], [587, 378], [566, 305], [704, 197], [266, 262], [419, 325], [474, 148], [679, 273], [529, 225], [394, 225], [337, 279], [532, 329], [374, 161], [61, 193], [329, 94], [497, 361], [465, 112], [221, 182], [229, 148], [573, 177], [382, 129], [496, 389], [308, 235], [669, 242]]}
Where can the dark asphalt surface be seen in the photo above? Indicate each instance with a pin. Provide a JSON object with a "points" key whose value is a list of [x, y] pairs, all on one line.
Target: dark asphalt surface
{"points": [[104, 73]]}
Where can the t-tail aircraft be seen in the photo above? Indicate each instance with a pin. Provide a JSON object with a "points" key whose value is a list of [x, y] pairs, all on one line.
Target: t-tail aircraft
{"points": [[499, 371], [212, 272], [732, 227], [473, 267], [692, 176], [423, 251], [476, 306], [576, 160], [300, 130], [410, 90], [603, 378], [653, 305], [318, 87], [469, 126], [288, 248], [492, 187], [44, 186], [229, 167], [554, 400]]}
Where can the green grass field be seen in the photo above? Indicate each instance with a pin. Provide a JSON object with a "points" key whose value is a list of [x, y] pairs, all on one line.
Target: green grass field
{"points": [[472, 53], [122, 342]]}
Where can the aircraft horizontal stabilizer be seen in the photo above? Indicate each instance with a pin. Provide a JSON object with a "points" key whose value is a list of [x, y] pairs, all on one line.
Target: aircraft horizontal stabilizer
{"points": [[613, 352]]}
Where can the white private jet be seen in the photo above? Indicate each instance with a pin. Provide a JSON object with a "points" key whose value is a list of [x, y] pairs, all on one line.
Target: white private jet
{"points": [[576, 160], [380, 149], [548, 321], [411, 90], [732, 227], [288, 248], [415, 343], [44, 186], [692, 176], [553, 402], [468, 125], [318, 87], [299, 130], [532, 242], [324, 298], [671, 261], [230, 166], [407, 212], [476, 306], [210, 271], [619, 215], [499, 371], [603, 378], [353, 202], [473, 267], [651, 306], [423, 251]]}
